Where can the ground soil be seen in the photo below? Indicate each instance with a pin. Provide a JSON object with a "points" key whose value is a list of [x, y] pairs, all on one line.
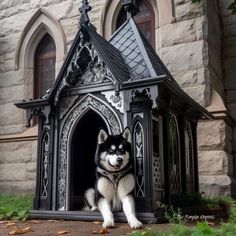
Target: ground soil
{"points": [[67, 228]]}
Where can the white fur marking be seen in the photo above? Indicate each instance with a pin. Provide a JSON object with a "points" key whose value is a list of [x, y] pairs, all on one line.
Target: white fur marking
{"points": [[90, 197], [128, 207], [106, 188], [127, 135], [105, 209], [102, 136], [125, 186]]}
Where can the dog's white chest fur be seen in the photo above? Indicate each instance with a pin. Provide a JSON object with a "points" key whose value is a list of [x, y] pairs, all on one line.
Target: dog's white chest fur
{"points": [[114, 190]]}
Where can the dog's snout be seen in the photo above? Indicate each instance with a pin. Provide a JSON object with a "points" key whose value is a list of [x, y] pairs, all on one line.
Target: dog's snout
{"points": [[119, 160]]}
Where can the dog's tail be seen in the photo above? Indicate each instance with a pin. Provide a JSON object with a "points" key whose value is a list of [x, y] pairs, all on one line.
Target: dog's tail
{"points": [[89, 198]]}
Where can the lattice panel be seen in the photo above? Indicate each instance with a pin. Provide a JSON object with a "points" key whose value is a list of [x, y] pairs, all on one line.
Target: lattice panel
{"points": [[157, 178]]}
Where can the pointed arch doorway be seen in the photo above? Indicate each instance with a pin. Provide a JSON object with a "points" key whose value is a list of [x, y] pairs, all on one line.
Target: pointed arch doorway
{"points": [[82, 166]]}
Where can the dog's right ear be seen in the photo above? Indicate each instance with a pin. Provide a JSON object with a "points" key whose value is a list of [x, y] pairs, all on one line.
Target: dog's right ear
{"points": [[102, 136]]}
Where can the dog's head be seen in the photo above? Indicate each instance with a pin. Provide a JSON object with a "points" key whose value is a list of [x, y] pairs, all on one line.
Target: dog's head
{"points": [[113, 151]]}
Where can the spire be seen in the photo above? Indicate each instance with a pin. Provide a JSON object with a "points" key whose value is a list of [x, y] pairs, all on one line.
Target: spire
{"points": [[84, 19], [131, 7]]}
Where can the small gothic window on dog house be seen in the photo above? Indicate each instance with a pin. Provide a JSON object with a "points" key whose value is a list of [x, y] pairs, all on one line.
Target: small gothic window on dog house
{"points": [[113, 98], [189, 161], [173, 155]]}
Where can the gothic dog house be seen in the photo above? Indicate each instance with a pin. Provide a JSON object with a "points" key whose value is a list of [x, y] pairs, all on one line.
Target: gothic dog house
{"points": [[113, 84]]}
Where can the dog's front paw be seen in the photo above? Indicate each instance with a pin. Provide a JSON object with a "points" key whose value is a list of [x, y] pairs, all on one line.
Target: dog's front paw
{"points": [[135, 224], [109, 223]]}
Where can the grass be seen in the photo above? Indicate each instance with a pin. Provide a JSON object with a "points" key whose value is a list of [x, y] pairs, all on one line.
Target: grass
{"points": [[15, 207], [201, 228]]}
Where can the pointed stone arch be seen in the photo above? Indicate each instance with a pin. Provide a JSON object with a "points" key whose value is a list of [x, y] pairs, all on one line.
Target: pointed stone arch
{"points": [[163, 9], [110, 118], [41, 23]]}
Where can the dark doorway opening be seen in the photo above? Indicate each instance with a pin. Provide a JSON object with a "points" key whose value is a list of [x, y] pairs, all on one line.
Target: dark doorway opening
{"points": [[83, 147]]}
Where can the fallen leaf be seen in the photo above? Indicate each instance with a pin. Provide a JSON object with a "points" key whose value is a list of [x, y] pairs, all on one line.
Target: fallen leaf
{"points": [[8, 225], [53, 220], [97, 222], [211, 223], [35, 221], [18, 230], [62, 232], [101, 231]]}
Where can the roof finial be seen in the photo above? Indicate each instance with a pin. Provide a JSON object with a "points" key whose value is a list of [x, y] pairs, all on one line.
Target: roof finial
{"points": [[131, 7], [84, 12]]}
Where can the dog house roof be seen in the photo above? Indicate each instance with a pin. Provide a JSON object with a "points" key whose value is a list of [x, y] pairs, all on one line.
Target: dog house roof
{"points": [[128, 55]]}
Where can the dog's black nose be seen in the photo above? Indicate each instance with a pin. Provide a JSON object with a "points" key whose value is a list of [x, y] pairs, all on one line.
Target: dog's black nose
{"points": [[119, 160]]}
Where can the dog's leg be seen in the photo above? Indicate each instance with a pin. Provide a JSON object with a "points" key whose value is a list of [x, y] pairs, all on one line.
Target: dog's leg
{"points": [[128, 208], [89, 198], [105, 209]]}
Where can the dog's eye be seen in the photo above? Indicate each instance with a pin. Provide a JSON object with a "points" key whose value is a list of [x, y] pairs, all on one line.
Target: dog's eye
{"points": [[110, 151]]}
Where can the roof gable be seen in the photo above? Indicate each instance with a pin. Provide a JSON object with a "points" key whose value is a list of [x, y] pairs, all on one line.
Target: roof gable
{"points": [[138, 54], [90, 60]]}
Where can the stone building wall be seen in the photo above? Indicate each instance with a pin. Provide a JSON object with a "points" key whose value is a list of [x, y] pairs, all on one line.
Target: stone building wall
{"points": [[229, 62], [215, 145], [188, 42]]}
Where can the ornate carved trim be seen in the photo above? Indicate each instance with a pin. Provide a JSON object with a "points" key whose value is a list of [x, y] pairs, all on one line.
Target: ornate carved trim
{"points": [[116, 101], [45, 164], [86, 68], [139, 159], [70, 121]]}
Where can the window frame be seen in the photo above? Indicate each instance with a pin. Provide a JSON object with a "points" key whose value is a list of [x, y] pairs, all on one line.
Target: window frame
{"points": [[38, 59]]}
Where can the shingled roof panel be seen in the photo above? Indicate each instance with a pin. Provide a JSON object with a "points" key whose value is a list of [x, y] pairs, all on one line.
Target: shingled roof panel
{"points": [[124, 40]]}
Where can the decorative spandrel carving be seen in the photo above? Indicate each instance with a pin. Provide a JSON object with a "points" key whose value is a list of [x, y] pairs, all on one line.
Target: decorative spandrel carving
{"points": [[89, 102], [96, 71], [116, 101], [66, 104], [86, 68]]}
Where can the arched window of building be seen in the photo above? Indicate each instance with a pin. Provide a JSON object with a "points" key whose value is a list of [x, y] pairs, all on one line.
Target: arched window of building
{"points": [[44, 66], [145, 19]]}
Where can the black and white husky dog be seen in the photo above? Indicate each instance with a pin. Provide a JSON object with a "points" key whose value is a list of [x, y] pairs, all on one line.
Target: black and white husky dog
{"points": [[115, 180]]}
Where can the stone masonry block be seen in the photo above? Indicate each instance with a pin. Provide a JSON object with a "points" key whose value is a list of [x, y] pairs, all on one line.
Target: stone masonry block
{"points": [[220, 162], [200, 94], [212, 186], [15, 152], [12, 94], [11, 78], [212, 135], [18, 187], [187, 10], [11, 115], [12, 172], [183, 32], [184, 57], [191, 78], [12, 129]]}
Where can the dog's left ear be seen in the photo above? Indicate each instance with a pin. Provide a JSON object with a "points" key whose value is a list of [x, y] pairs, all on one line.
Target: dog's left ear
{"points": [[102, 136], [127, 134]]}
